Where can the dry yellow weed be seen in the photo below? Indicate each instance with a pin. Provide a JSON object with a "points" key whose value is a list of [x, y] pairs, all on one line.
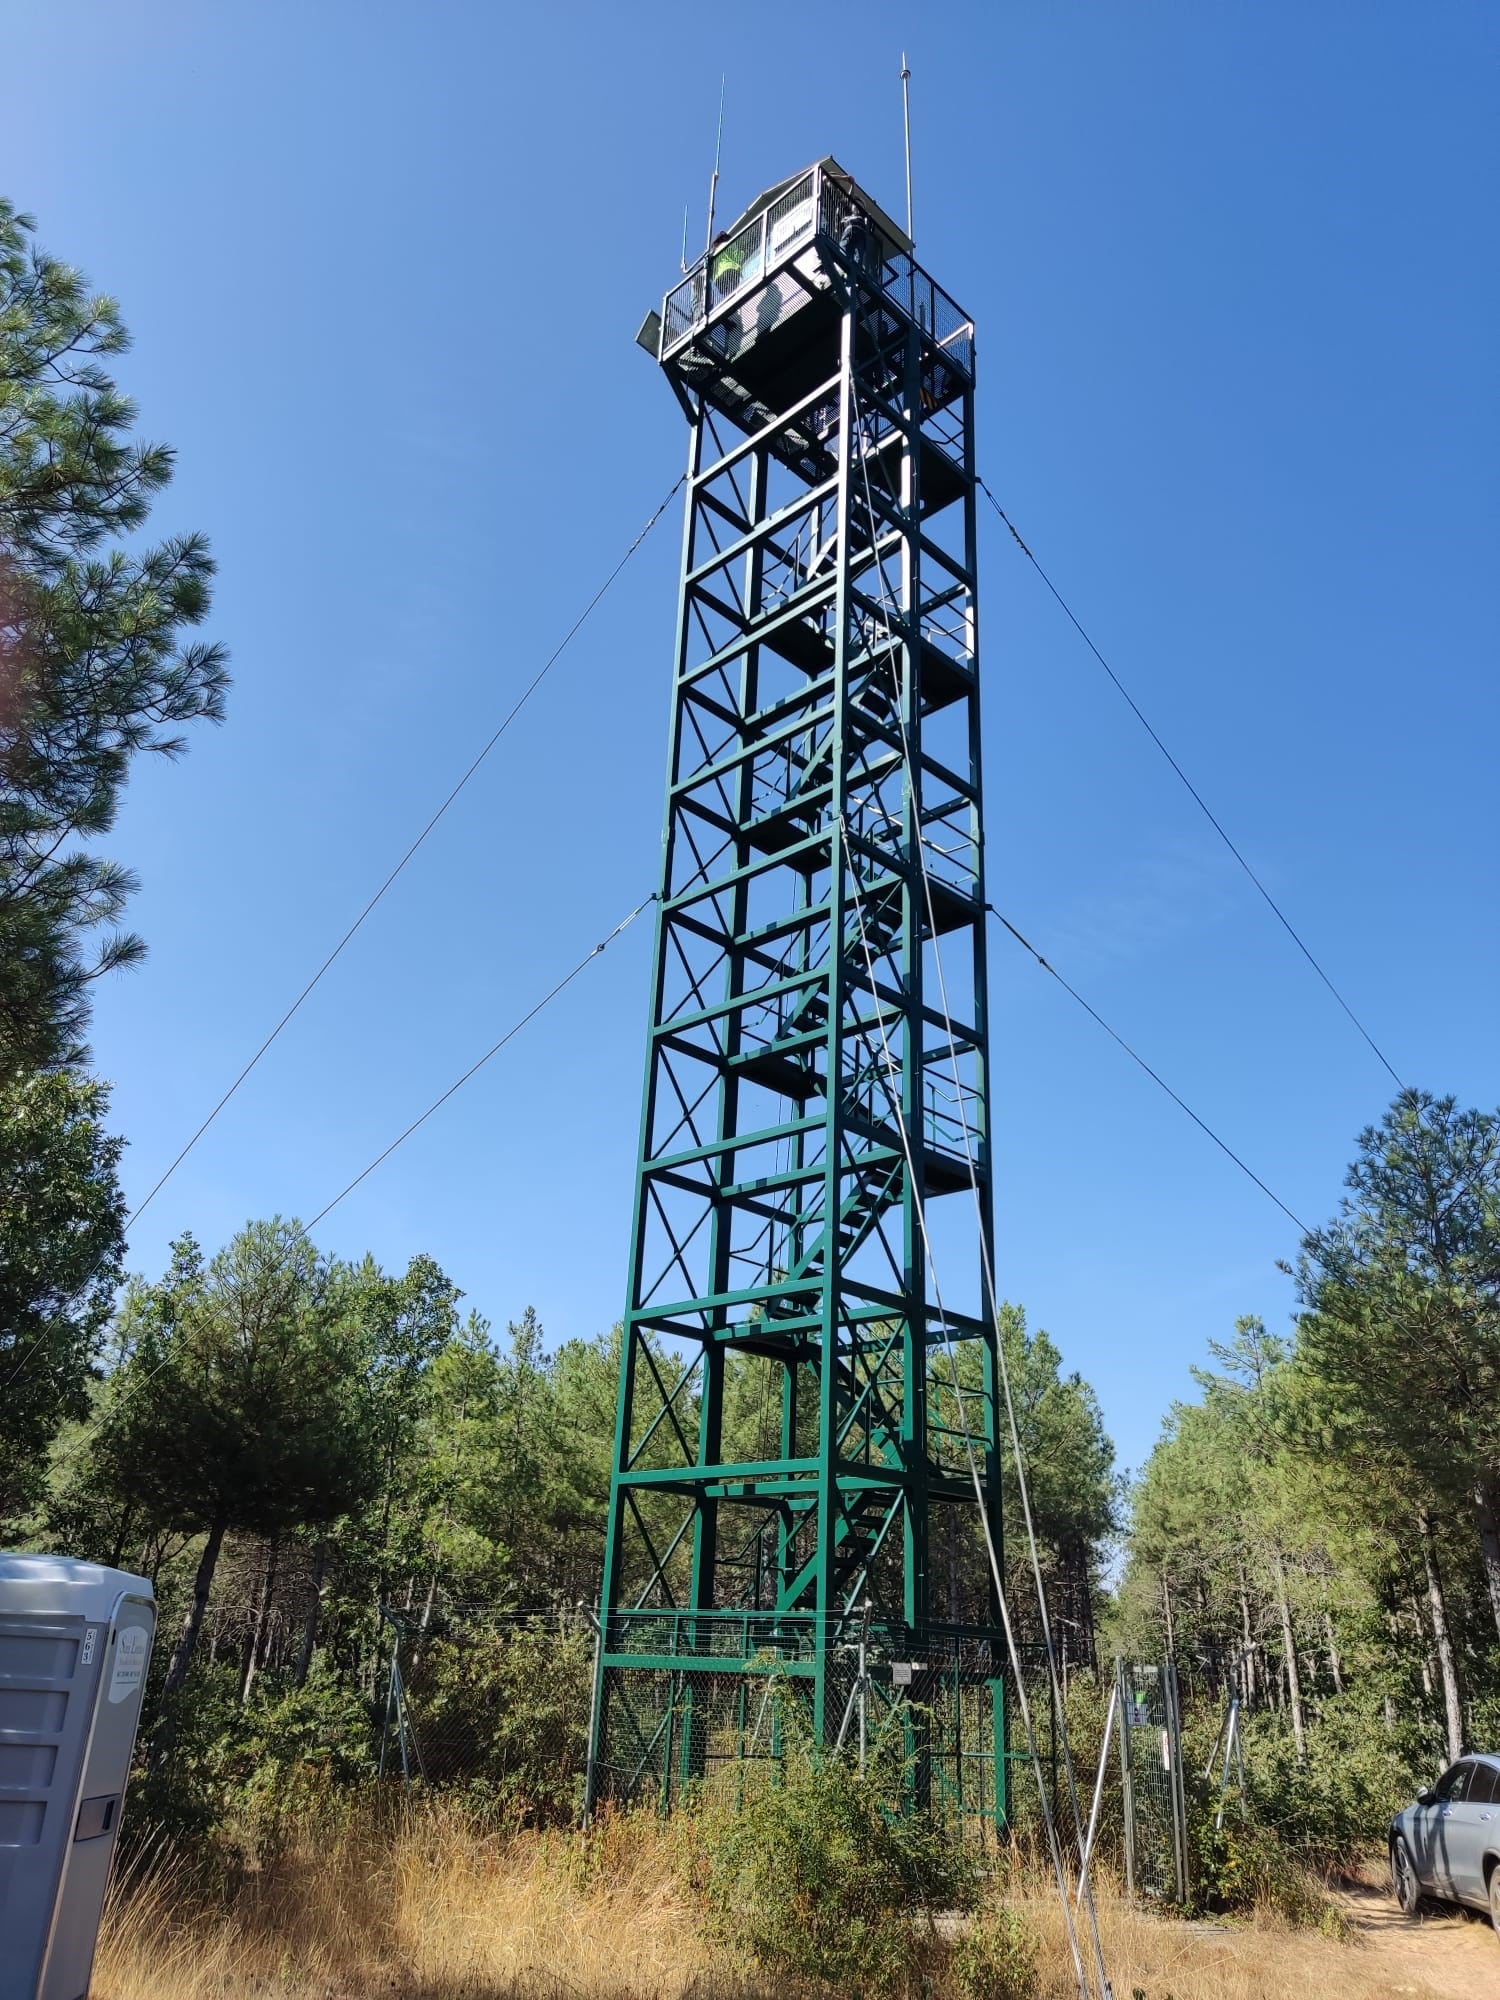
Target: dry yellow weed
{"points": [[436, 1907]]}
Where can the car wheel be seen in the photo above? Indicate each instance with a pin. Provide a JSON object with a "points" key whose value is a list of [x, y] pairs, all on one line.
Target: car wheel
{"points": [[1495, 1897], [1408, 1889]]}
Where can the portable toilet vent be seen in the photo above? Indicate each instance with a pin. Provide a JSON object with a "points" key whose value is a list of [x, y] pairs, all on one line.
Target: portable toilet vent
{"points": [[75, 1640]]}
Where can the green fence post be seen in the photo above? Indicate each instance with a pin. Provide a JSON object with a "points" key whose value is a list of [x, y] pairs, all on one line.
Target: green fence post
{"points": [[1002, 1775]]}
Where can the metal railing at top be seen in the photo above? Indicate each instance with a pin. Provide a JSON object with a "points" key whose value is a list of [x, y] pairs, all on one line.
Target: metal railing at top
{"points": [[767, 240], [736, 1632], [814, 204]]}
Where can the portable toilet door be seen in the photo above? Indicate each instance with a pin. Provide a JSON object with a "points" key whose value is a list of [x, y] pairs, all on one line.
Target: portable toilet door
{"points": [[75, 1641]]}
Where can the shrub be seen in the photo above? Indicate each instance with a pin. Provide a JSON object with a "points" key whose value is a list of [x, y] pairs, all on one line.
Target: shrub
{"points": [[505, 1715], [1245, 1867], [1355, 1777], [240, 1782], [294, 1757], [995, 1959], [819, 1875]]}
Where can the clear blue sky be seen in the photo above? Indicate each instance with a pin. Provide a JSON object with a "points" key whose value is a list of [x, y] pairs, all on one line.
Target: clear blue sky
{"points": [[1233, 270]]}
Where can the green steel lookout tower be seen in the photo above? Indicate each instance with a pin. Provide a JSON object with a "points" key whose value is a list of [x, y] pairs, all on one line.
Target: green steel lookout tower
{"points": [[793, 1506]]}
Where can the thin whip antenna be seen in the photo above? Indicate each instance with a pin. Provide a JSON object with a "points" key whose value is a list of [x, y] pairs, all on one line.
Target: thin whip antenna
{"points": [[682, 260], [713, 185], [906, 123]]}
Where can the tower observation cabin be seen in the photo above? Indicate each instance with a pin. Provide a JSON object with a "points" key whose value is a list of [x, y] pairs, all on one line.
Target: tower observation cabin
{"points": [[806, 1457]]}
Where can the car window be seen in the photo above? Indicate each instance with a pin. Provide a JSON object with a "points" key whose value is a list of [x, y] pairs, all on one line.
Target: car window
{"points": [[1450, 1787], [1481, 1790]]}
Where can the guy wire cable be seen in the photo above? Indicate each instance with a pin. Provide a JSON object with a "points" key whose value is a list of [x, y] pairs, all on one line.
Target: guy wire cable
{"points": [[898, 1114], [891, 603], [474, 1068], [1161, 1082], [520, 702], [305, 1229], [515, 709], [1072, 991], [1197, 797], [1047, 966]]}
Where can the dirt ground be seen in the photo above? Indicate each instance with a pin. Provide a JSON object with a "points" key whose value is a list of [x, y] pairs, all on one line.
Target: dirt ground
{"points": [[1446, 1952]]}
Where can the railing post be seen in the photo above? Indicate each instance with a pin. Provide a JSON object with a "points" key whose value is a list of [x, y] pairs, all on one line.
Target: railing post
{"points": [[1127, 1774], [590, 1769]]}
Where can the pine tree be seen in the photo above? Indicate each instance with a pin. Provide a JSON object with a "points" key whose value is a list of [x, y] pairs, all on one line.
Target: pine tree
{"points": [[61, 1231], [1403, 1307], [94, 667], [244, 1403]]}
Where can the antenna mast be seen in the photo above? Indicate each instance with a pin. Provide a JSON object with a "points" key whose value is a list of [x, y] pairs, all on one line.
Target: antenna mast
{"points": [[713, 185], [906, 123]]}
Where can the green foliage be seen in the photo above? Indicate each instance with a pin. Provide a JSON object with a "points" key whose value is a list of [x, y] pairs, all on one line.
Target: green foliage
{"points": [[1355, 1777], [287, 1760], [244, 1398], [1321, 1529], [819, 1876], [94, 668], [505, 1714], [61, 1233], [1245, 1868], [1400, 1343], [1074, 1491], [995, 1958], [181, 1805], [1072, 1484], [242, 1781]]}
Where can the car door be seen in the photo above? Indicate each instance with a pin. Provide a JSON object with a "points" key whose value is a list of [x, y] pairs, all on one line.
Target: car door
{"points": [[1468, 1827], [1429, 1825]]}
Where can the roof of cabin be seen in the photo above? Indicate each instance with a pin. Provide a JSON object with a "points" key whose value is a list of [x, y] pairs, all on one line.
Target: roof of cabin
{"points": [[831, 167]]}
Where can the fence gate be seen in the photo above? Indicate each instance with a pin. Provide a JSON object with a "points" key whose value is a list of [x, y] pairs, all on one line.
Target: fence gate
{"points": [[1149, 1714]]}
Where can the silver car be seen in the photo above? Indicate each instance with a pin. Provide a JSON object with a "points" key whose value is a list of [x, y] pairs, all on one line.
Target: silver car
{"points": [[1448, 1843]]}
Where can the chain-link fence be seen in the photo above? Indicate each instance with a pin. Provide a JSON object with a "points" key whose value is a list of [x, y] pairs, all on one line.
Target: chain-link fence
{"points": [[499, 1703], [938, 1701], [496, 1701]]}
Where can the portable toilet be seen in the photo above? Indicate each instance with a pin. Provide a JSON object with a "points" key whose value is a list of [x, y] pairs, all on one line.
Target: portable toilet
{"points": [[75, 1640]]}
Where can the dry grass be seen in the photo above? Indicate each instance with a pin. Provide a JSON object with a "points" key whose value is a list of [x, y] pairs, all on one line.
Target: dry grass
{"points": [[1259, 1961], [434, 1908]]}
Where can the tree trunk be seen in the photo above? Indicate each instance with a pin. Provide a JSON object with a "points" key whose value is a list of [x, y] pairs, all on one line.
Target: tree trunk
{"points": [[117, 1552], [1487, 1515], [1167, 1625], [1335, 1665], [252, 1630], [187, 1640], [1293, 1676], [1424, 1651], [425, 1622], [254, 1654], [1209, 1637], [1249, 1634], [311, 1621], [1442, 1639]]}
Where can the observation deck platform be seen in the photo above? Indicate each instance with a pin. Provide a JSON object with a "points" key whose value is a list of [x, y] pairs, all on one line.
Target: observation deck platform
{"points": [[753, 328]]}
